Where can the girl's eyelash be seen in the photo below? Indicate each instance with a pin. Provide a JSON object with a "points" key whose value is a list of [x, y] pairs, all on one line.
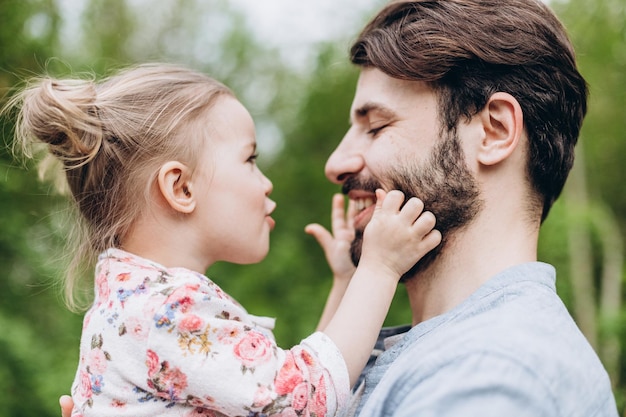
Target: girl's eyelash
{"points": [[253, 157]]}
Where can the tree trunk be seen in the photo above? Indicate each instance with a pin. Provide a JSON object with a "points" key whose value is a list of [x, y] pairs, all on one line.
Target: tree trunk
{"points": [[580, 251], [606, 310]]}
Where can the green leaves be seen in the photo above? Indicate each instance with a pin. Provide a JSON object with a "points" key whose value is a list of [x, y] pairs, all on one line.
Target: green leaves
{"points": [[301, 115]]}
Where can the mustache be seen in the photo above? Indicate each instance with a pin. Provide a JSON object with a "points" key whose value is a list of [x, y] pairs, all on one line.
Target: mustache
{"points": [[372, 184], [365, 184]]}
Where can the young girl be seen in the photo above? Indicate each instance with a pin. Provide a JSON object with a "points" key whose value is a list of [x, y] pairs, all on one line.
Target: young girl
{"points": [[160, 161]]}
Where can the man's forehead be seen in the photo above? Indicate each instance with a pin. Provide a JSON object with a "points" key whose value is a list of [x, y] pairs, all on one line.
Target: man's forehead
{"points": [[373, 84], [372, 95], [380, 93], [377, 90]]}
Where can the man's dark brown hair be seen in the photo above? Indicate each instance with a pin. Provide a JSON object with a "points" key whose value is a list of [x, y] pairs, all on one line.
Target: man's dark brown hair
{"points": [[467, 50]]}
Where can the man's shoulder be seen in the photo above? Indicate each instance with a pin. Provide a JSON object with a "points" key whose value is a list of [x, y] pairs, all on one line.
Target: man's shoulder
{"points": [[537, 353], [530, 326]]}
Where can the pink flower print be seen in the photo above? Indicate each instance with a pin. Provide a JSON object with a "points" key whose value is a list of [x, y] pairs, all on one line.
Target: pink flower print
{"points": [[152, 362], [287, 412], [135, 327], [203, 402], [318, 404], [263, 396], [182, 297], [124, 276], [184, 304], [190, 323], [300, 396], [118, 404], [307, 358], [288, 377], [253, 349], [97, 361], [85, 385], [226, 335], [152, 305], [169, 383], [101, 275], [221, 294], [87, 319], [200, 412], [103, 286], [126, 260], [172, 381]]}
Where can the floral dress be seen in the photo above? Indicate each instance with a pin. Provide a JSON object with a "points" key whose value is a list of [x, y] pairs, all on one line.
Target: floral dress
{"points": [[169, 342]]}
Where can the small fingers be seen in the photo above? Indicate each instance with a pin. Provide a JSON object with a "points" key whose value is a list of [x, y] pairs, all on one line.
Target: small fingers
{"points": [[66, 403], [425, 222], [391, 200], [323, 236], [412, 209], [351, 212], [342, 220], [394, 201], [380, 197], [337, 213], [432, 240]]}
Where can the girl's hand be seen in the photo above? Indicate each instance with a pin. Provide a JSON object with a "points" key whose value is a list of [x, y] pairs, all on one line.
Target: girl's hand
{"points": [[66, 403], [399, 234], [336, 245]]}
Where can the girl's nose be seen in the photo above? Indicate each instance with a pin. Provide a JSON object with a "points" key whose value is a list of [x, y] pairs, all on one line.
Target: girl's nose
{"points": [[269, 187]]}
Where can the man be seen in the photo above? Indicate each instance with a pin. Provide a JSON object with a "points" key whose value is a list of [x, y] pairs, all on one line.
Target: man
{"points": [[474, 106]]}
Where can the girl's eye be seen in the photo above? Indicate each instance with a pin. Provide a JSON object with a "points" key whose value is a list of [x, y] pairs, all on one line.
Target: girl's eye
{"points": [[252, 159]]}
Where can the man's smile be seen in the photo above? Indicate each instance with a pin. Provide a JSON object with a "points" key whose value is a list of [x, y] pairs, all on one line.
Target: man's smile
{"points": [[364, 203]]}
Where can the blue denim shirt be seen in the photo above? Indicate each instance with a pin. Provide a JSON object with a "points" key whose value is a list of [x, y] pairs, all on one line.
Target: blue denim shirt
{"points": [[510, 349]]}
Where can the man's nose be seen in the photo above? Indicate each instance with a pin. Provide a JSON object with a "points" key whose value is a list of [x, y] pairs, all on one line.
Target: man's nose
{"points": [[344, 162]]}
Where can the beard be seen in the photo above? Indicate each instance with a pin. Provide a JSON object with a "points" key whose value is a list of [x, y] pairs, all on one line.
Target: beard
{"points": [[445, 185]]}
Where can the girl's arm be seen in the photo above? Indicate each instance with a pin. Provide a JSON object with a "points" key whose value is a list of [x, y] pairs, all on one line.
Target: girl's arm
{"points": [[396, 237], [336, 246], [254, 374]]}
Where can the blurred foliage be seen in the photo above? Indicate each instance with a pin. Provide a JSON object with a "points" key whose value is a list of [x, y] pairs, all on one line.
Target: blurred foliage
{"points": [[301, 116], [584, 238]]}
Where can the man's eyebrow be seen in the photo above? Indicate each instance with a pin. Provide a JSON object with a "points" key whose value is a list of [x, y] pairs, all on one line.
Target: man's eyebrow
{"points": [[369, 107]]}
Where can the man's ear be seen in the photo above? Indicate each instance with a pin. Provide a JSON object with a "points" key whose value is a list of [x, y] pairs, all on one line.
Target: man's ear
{"points": [[503, 124], [174, 180]]}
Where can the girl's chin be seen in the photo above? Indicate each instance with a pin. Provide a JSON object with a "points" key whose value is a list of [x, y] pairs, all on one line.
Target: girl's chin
{"points": [[259, 256]]}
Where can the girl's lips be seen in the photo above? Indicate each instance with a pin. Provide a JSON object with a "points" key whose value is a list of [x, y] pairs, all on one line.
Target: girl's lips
{"points": [[271, 222], [271, 206]]}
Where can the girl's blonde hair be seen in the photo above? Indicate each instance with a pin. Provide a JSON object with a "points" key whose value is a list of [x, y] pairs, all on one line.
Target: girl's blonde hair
{"points": [[111, 138]]}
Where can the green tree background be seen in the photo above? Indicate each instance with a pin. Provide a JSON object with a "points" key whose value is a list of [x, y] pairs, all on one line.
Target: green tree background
{"points": [[301, 114]]}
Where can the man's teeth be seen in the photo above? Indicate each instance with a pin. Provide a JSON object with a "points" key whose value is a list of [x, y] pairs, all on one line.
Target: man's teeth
{"points": [[363, 203]]}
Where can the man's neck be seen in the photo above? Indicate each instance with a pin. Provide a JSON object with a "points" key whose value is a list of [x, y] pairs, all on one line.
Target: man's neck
{"points": [[472, 256]]}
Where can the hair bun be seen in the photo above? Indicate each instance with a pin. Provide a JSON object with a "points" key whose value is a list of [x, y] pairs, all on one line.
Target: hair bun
{"points": [[62, 114]]}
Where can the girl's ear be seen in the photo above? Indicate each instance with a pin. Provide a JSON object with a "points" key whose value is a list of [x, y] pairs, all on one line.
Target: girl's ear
{"points": [[503, 125], [174, 180]]}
